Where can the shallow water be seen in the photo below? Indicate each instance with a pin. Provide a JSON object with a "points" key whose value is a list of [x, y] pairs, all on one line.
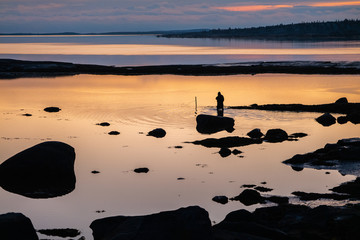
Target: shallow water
{"points": [[134, 105]]}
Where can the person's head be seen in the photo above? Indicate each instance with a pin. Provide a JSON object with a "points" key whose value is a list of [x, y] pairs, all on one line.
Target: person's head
{"points": [[219, 93]]}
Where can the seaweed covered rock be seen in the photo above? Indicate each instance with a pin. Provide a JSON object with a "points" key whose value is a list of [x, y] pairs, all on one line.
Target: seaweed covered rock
{"points": [[43, 171]]}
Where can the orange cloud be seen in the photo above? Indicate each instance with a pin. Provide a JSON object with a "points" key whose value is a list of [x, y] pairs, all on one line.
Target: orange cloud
{"points": [[253, 8]]}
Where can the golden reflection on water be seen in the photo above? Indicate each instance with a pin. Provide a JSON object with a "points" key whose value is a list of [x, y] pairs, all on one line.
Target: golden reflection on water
{"points": [[135, 105], [151, 49]]}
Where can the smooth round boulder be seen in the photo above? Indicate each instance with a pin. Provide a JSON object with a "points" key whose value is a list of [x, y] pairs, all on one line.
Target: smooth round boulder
{"points": [[255, 133], [45, 170], [158, 133], [276, 135], [52, 109]]}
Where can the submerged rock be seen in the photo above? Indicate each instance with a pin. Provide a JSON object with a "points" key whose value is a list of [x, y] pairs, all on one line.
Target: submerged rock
{"points": [[52, 109], [227, 142], [103, 124], [141, 170], [208, 124], [158, 133], [326, 119], [16, 226], [45, 170], [191, 223]]}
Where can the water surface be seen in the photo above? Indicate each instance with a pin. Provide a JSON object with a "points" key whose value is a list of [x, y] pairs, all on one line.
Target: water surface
{"points": [[134, 105]]}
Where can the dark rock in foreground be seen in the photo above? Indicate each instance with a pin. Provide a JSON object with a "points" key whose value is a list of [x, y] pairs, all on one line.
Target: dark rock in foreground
{"points": [[293, 222], [276, 135], [326, 119], [65, 232], [45, 170], [227, 142], [189, 223], [158, 133], [52, 109], [208, 124], [16, 226], [343, 156]]}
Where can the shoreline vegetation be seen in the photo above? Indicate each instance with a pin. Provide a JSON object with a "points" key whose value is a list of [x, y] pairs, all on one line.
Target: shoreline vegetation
{"points": [[12, 69], [313, 31]]}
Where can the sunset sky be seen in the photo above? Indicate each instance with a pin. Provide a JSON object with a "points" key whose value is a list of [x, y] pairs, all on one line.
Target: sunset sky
{"points": [[39, 16]]}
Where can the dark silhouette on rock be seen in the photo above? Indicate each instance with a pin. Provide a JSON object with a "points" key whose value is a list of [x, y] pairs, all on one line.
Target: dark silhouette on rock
{"points": [[52, 109], [255, 133], [326, 119], [227, 142], [208, 124], [16, 226], [225, 152], [220, 104], [342, 156], [141, 170], [191, 223], [45, 170], [221, 199], [276, 135], [158, 133]]}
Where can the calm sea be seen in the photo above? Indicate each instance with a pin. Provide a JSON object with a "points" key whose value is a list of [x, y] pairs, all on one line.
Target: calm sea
{"points": [[134, 105]]}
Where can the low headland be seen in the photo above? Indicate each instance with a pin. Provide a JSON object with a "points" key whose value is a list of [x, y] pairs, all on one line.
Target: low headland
{"points": [[10, 68]]}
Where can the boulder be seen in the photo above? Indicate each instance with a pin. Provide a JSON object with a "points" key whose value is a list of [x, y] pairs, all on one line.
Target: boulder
{"points": [[16, 226], [255, 133], [158, 133], [141, 170], [276, 135], [52, 109], [249, 197], [342, 100], [103, 124], [45, 170], [342, 120], [191, 223], [114, 133], [326, 119], [208, 124], [354, 117], [225, 152], [221, 199]]}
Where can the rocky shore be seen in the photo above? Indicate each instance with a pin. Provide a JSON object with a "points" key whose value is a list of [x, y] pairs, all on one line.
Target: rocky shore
{"points": [[10, 68]]}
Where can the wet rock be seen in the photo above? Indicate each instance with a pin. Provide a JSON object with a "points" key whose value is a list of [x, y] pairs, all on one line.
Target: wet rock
{"points": [[342, 100], [43, 171], [114, 133], [95, 172], [278, 199], [255, 133], [342, 156], [354, 117], [276, 135], [236, 151], [315, 196], [103, 124], [141, 170], [227, 142], [208, 124], [16, 226], [342, 120], [158, 133], [297, 135], [190, 223], [225, 152], [52, 109], [248, 186], [326, 119], [180, 178], [249, 197], [263, 189], [221, 199], [27, 114], [351, 188], [60, 232]]}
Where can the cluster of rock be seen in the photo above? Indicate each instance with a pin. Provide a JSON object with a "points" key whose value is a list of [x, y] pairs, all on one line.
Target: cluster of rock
{"points": [[342, 156]]}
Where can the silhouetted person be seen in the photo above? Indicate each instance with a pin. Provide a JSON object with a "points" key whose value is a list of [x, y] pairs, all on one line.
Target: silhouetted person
{"points": [[220, 104]]}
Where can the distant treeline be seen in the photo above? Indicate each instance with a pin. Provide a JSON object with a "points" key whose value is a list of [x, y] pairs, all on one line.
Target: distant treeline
{"points": [[337, 30]]}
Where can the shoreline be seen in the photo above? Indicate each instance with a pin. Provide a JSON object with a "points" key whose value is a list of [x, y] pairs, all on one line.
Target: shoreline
{"points": [[12, 69]]}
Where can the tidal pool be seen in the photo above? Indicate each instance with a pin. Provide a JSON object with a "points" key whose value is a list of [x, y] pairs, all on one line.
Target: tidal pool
{"points": [[134, 105]]}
